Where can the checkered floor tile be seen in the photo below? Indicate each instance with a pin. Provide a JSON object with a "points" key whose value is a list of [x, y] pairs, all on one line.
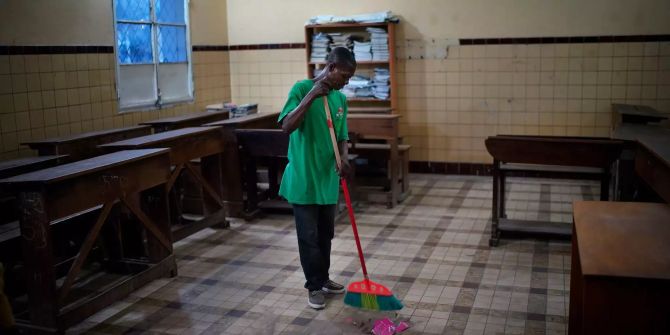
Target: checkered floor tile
{"points": [[431, 250]]}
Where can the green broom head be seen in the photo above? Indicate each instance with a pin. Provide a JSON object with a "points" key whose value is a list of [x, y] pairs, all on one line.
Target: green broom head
{"points": [[369, 295]]}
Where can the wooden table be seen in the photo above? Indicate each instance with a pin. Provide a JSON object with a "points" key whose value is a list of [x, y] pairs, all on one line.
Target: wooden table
{"points": [[620, 276], [186, 120], [382, 127], [232, 187], [637, 114], [187, 144], [135, 179], [556, 155], [648, 148], [85, 145]]}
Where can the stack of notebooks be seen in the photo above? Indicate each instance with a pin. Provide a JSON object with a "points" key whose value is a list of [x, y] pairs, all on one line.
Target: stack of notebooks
{"points": [[320, 47], [380, 43], [340, 40], [359, 86], [362, 51], [380, 84]]}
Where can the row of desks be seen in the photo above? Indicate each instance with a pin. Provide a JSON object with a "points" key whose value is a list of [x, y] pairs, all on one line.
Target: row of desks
{"points": [[111, 177]]}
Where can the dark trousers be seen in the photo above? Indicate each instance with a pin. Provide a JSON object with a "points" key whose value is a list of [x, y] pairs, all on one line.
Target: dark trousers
{"points": [[315, 225]]}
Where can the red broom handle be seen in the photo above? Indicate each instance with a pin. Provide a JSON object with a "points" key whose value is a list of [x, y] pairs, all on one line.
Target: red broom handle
{"points": [[347, 199], [345, 189]]}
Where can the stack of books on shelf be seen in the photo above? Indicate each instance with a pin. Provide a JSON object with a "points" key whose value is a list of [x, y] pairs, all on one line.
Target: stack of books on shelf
{"points": [[320, 47], [379, 39], [359, 86], [380, 84], [362, 51], [341, 40]]}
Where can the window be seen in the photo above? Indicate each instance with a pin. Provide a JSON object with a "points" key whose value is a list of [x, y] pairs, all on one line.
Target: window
{"points": [[153, 53]]}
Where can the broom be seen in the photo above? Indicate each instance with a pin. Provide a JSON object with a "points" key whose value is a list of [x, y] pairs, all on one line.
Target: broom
{"points": [[364, 294]]}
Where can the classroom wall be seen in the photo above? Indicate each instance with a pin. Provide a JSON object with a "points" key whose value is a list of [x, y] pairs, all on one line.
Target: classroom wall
{"points": [[449, 105], [47, 95]]}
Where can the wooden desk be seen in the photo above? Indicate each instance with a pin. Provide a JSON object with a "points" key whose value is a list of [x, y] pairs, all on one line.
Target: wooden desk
{"points": [[382, 127], [19, 166], [270, 146], [636, 114], [187, 144], [620, 275], [133, 178], [187, 120], [85, 145], [557, 155], [648, 148], [370, 110], [232, 176]]}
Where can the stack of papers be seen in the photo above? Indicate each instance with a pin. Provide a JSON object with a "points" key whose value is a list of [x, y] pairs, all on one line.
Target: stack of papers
{"points": [[362, 51], [361, 18], [380, 84], [380, 44], [341, 40], [359, 86], [320, 47]]}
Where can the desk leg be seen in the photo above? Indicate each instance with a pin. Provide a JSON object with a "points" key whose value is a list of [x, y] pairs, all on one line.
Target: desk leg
{"points": [[38, 260], [154, 204], [576, 289], [393, 173], [212, 168], [493, 241], [251, 181], [231, 177], [605, 185]]}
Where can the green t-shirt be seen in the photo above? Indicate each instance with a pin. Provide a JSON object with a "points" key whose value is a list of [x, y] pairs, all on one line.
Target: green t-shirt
{"points": [[310, 177]]}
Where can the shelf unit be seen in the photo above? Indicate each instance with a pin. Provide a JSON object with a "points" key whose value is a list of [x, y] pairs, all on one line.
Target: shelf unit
{"points": [[367, 104]]}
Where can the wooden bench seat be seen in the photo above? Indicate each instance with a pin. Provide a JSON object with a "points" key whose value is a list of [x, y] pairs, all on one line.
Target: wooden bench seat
{"points": [[371, 127], [85, 145], [382, 151], [186, 145], [232, 177], [135, 179], [542, 155]]}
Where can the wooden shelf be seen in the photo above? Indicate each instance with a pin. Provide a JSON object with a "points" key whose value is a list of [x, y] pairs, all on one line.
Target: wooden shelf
{"points": [[367, 100], [357, 29], [364, 62], [347, 25]]}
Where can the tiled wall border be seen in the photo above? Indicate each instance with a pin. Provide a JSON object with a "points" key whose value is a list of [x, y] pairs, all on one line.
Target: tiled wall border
{"points": [[565, 39], [55, 49], [75, 49]]}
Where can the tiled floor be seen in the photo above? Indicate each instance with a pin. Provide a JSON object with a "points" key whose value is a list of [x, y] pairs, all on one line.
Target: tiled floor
{"points": [[432, 251]]}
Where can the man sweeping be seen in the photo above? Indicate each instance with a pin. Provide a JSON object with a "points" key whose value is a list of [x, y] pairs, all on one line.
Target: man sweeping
{"points": [[311, 182]]}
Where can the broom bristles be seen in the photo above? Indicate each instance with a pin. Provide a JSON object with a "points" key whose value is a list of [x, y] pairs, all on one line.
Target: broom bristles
{"points": [[372, 302]]}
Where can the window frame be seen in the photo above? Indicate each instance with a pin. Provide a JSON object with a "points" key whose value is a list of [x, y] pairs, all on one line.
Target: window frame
{"points": [[159, 103]]}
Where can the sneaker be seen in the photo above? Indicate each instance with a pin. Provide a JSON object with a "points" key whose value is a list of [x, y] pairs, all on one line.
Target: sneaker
{"points": [[316, 300], [332, 287]]}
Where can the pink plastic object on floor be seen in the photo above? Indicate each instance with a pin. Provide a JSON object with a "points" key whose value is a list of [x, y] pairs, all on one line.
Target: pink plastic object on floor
{"points": [[383, 327], [401, 327]]}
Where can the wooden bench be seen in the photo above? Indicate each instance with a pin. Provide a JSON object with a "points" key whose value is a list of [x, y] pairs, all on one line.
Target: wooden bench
{"points": [[19, 166], [383, 127], [539, 156], [186, 120], [85, 145], [647, 155], [269, 146], [620, 269], [135, 179], [187, 144], [382, 151], [232, 186]]}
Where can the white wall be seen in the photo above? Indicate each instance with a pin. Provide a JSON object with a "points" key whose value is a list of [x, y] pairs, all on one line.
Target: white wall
{"points": [[281, 21], [89, 22]]}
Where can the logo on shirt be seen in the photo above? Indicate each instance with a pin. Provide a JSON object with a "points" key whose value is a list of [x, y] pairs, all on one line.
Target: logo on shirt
{"points": [[340, 113]]}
